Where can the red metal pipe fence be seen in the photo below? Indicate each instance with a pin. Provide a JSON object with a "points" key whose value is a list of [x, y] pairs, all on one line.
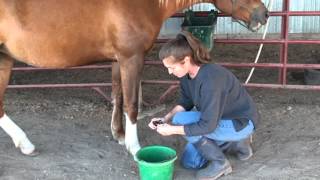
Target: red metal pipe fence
{"points": [[284, 41], [282, 66]]}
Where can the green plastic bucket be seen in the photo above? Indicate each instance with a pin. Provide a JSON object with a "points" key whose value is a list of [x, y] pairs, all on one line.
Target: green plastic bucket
{"points": [[156, 162], [202, 27]]}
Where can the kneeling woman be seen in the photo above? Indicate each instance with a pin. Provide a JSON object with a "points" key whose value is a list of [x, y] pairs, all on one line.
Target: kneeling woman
{"points": [[215, 113]]}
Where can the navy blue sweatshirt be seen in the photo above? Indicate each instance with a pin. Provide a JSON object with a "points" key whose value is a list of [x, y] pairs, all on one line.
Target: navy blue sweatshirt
{"points": [[217, 94]]}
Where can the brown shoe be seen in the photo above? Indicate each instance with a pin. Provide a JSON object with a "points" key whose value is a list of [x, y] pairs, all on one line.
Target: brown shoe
{"points": [[218, 164], [214, 170], [243, 149]]}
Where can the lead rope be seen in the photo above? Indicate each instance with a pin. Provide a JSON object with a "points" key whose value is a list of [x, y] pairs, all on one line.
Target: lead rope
{"points": [[261, 45]]}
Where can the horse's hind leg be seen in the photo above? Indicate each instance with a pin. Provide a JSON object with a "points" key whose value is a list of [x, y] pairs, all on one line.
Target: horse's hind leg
{"points": [[14, 131], [117, 114]]}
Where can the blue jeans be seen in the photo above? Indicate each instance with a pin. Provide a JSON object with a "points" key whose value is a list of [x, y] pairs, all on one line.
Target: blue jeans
{"points": [[225, 132]]}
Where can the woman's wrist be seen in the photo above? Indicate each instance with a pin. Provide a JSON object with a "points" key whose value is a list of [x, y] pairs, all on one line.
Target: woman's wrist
{"points": [[166, 118], [163, 119], [179, 130]]}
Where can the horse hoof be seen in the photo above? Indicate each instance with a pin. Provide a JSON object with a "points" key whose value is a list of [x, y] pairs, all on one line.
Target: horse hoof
{"points": [[133, 149], [32, 154], [120, 137], [121, 141]]}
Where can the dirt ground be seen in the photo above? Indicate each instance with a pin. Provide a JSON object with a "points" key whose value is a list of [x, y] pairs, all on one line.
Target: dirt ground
{"points": [[71, 127]]}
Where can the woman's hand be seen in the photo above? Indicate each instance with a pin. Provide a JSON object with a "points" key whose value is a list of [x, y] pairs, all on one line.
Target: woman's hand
{"points": [[167, 129], [155, 122]]}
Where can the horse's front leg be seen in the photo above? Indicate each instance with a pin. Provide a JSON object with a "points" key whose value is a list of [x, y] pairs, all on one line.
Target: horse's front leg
{"points": [[131, 71], [117, 113], [18, 136]]}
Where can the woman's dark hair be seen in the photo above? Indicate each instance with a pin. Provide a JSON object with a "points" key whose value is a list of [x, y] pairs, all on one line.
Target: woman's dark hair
{"points": [[185, 44]]}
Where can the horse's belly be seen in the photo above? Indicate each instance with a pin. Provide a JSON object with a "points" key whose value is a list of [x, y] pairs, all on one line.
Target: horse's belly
{"points": [[50, 53]]}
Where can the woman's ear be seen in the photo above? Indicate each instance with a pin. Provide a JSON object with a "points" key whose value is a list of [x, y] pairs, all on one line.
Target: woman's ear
{"points": [[187, 59]]}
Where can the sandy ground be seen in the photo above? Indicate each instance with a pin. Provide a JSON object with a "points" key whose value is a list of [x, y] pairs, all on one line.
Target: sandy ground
{"points": [[71, 129]]}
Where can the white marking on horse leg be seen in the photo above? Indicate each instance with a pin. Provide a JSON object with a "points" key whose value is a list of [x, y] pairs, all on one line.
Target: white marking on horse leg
{"points": [[18, 136], [113, 130], [131, 139]]}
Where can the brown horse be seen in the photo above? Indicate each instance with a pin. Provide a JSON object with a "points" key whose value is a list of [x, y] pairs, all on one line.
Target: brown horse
{"points": [[68, 33]]}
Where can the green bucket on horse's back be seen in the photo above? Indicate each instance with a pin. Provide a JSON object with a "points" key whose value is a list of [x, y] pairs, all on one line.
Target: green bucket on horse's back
{"points": [[202, 27], [156, 162]]}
